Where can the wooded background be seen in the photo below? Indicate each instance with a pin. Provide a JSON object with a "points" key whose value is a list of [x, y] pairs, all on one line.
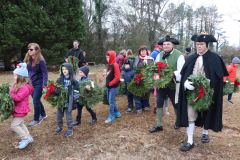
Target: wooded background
{"points": [[100, 25]]}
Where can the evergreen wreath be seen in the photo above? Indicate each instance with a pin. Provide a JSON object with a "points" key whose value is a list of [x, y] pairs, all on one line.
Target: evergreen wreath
{"points": [[228, 87], [137, 86], [92, 96], [6, 102], [201, 97], [236, 85], [74, 62], [122, 88], [158, 75], [56, 95]]}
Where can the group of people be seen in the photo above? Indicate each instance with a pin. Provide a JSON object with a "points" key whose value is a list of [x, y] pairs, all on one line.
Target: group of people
{"points": [[204, 62]]}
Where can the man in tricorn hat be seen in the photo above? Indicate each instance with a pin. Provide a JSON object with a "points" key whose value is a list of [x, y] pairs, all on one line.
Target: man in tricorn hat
{"points": [[173, 58], [209, 64]]}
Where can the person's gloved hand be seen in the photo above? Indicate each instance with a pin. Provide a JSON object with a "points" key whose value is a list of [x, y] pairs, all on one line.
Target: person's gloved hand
{"points": [[188, 85]]}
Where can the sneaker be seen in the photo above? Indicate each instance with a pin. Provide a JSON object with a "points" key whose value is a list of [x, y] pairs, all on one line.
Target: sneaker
{"points": [[92, 122], [30, 138], [109, 120], [205, 138], [147, 108], [68, 133], [117, 114], [41, 118], [76, 123], [24, 143], [139, 111], [128, 110], [33, 123], [58, 130]]}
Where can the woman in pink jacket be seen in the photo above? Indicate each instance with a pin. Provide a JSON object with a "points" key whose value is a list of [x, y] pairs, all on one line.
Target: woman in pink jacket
{"points": [[20, 93], [232, 71]]}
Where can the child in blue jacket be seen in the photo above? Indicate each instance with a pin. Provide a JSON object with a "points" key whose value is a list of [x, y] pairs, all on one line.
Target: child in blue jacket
{"points": [[127, 75], [83, 74]]}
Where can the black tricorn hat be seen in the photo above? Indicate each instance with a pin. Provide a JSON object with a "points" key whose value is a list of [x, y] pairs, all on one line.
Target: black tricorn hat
{"points": [[168, 39], [203, 37]]}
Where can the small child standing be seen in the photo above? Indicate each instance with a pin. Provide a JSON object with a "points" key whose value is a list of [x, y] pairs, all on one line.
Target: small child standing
{"points": [[20, 93], [70, 84], [112, 82], [232, 71], [83, 74], [128, 75]]}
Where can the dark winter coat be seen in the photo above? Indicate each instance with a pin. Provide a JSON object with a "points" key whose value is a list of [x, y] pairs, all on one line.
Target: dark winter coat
{"points": [[215, 70], [79, 54], [73, 86], [128, 75], [38, 74]]}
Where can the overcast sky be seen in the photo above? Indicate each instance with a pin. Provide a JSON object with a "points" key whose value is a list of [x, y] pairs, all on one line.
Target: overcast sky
{"points": [[231, 14]]}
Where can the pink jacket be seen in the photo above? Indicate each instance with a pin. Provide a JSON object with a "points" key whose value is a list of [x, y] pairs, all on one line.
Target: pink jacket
{"points": [[21, 100]]}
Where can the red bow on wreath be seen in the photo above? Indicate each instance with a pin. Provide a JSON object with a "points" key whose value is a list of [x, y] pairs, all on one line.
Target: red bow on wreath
{"points": [[236, 84], [138, 78], [160, 66], [50, 90], [201, 93]]}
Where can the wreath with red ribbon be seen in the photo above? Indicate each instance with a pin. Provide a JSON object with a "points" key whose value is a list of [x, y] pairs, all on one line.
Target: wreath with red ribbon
{"points": [[56, 100], [137, 85], [201, 97], [158, 75]]}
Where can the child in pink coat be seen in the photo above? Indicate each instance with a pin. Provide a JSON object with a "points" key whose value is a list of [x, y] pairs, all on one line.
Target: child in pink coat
{"points": [[20, 92]]}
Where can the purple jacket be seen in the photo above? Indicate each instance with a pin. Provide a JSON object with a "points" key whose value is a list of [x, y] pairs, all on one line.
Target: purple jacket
{"points": [[21, 100], [38, 74]]}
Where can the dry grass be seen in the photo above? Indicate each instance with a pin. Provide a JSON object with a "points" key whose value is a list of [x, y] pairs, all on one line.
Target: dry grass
{"points": [[127, 138]]}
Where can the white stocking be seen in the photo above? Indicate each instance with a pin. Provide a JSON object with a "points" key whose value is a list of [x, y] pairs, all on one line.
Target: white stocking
{"points": [[190, 131]]}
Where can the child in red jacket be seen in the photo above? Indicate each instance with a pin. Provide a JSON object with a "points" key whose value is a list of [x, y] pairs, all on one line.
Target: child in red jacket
{"points": [[20, 93], [232, 71], [112, 82]]}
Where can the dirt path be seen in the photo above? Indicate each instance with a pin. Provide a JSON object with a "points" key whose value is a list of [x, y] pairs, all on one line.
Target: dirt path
{"points": [[127, 138]]}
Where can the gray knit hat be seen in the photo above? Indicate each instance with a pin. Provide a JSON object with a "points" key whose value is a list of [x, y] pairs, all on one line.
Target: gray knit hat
{"points": [[85, 70], [236, 60]]}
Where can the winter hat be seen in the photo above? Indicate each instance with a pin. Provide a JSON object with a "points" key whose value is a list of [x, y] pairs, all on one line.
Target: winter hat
{"points": [[21, 70], [236, 60], [85, 70]]}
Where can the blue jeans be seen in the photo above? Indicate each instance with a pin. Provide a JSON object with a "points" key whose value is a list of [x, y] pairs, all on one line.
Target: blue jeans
{"points": [[141, 103], [111, 95], [38, 106], [130, 99]]}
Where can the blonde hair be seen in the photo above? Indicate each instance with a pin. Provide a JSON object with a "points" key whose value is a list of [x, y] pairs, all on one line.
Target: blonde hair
{"points": [[20, 81], [38, 55], [129, 52]]}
